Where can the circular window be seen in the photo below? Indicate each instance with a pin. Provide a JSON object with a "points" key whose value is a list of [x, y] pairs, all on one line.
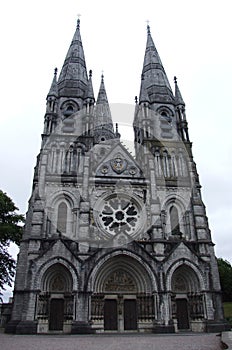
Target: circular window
{"points": [[68, 108], [68, 111], [119, 213]]}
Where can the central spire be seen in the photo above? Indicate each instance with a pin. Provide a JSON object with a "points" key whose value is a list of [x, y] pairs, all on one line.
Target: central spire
{"points": [[73, 77], [103, 118], [102, 97]]}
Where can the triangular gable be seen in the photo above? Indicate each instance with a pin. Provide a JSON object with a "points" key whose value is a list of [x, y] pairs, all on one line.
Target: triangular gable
{"points": [[182, 251], [57, 247], [118, 162]]}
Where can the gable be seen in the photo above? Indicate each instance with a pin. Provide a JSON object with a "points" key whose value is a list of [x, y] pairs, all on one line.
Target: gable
{"points": [[182, 251], [58, 247], [118, 163]]}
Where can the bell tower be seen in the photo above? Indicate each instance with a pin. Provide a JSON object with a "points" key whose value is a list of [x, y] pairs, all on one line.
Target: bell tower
{"points": [[164, 150]]}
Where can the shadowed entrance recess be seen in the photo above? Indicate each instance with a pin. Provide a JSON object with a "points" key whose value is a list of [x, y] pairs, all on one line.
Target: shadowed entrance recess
{"points": [[122, 297], [187, 301]]}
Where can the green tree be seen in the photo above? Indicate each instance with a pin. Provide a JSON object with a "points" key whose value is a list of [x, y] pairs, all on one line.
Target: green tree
{"points": [[10, 231], [225, 273]]}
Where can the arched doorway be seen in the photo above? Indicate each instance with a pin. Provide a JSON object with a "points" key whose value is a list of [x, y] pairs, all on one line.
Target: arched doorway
{"points": [[187, 299], [55, 301], [120, 304], [122, 299]]}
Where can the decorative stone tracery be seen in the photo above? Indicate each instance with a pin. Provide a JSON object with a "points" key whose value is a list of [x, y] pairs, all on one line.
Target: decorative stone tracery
{"points": [[120, 281], [119, 213]]}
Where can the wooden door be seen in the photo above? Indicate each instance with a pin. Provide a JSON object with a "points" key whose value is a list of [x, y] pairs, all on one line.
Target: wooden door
{"points": [[56, 317], [130, 314], [182, 314], [110, 315]]}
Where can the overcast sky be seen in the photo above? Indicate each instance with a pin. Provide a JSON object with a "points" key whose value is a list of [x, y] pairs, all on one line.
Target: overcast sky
{"points": [[193, 39]]}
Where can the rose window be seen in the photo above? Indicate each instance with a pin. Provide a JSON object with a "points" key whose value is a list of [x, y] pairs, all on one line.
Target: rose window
{"points": [[119, 214]]}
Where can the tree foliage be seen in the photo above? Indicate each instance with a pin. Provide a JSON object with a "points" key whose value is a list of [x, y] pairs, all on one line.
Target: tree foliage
{"points": [[10, 231], [225, 273]]}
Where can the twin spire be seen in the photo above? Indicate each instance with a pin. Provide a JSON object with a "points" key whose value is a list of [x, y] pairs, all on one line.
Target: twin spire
{"points": [[73, 78], [75, 82], [155, 87]]}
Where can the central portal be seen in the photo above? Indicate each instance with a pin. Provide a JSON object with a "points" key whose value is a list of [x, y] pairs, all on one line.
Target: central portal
{"points": [[122, 300], [120, 315]]}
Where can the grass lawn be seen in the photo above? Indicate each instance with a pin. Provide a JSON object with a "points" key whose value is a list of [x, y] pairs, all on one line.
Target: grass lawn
{"points": [[228, 311]]}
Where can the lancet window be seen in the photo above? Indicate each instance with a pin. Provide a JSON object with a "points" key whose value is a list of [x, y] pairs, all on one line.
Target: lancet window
{"points": [[174, 220], [62, 218]]}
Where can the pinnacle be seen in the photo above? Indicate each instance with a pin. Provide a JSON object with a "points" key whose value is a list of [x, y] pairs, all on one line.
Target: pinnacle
{"points": [[89, 90], [53, 89], [178, 96]]}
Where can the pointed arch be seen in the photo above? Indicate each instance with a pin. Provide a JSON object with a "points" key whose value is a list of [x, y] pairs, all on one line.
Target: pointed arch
{"points": [[189, 273], [62, 215], [185, 280], [174, 220], [55, 267], [136, 270], [175, 208], [57, 278]]}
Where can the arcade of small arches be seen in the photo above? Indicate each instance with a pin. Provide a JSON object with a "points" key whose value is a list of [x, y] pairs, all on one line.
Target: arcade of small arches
{"points": [[123, 295], [170, 164], [66, 158]]}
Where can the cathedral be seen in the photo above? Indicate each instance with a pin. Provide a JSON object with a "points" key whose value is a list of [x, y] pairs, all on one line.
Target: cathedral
{"points": [[115, 242]]}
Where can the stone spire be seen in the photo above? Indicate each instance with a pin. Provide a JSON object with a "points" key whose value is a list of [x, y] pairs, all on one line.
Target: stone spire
{"points": [[54, 88], [102, 96], [178, 97], [155, 78], [73, 77], [103, 114]]}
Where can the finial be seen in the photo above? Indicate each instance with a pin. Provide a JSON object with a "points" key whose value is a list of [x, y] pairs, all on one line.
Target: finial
{"points": [[148, 27], [78, 21], [136, 99], [175, 80], [55, 71], [90, 73], [117, 128], [102, 76]]}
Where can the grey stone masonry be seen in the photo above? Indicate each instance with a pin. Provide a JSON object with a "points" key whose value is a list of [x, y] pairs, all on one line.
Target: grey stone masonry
{"points": [[112, 242]]}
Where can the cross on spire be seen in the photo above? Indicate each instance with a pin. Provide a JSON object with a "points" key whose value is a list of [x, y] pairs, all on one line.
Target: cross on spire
{"points": [[148, 26], [78, 21]]}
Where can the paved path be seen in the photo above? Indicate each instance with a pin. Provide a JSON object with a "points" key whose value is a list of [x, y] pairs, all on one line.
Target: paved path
{"points": [[111, 342], [227, 339]]}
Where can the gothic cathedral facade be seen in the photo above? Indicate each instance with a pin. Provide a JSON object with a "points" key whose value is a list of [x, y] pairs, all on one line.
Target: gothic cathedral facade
{"points": [[115, 242]]}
